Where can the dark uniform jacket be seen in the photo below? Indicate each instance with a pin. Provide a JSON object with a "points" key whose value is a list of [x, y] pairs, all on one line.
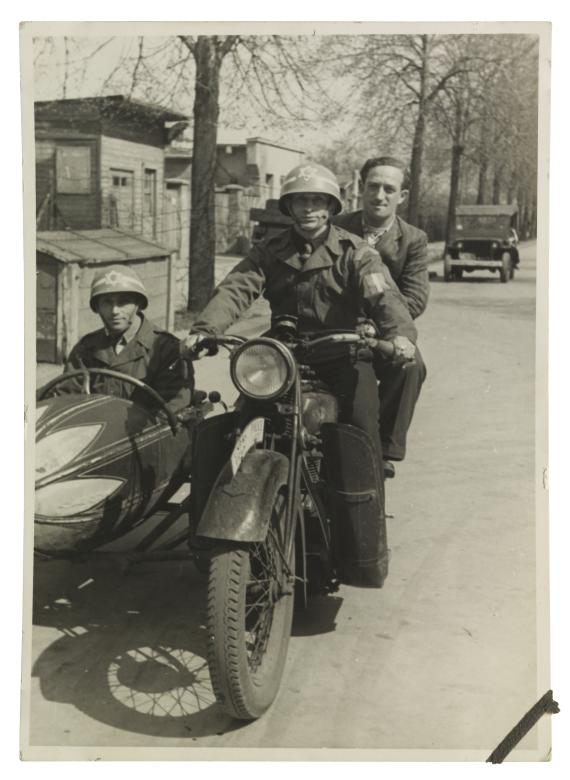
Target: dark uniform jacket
{"points": [[403, 249], [342, 279], [152, 355]]}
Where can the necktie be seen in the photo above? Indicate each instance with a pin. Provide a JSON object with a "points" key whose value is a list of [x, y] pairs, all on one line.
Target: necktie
{"points": [[120, 344]]}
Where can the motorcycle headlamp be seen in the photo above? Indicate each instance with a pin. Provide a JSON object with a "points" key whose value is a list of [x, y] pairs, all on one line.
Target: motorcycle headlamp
{"points": [[262, 369]]}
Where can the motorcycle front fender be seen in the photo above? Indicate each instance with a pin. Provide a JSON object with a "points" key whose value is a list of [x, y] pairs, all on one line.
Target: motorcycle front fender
{"points": [[239, 506]]}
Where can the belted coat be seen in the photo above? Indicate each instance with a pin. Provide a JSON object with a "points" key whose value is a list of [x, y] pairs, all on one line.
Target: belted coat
{"points": [[342, 280], [152, 355]]}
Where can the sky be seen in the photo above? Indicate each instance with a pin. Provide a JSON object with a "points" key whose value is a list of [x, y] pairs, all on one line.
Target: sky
{"points": [[93, 68]]}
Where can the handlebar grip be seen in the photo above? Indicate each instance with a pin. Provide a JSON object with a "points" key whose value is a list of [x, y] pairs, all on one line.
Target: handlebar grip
{"points": [[385, 348]]}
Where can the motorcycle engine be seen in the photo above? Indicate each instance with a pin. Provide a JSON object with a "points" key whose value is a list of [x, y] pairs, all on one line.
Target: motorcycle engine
{"points": [[318, 407]]}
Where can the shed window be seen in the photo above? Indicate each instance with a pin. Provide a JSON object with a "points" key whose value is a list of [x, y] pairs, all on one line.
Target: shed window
{"points": [[73, 169]]}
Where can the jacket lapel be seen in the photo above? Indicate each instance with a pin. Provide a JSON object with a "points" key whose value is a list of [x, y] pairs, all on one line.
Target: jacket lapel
{"points": [[285, 251], [138, 347], [319, 259], [104, 352], [389, 242], [355, 224], [132, 352]]}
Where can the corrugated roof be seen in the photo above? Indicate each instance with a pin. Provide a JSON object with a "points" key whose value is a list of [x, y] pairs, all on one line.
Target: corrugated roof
{"points": [[97, 246], [507, 209]]}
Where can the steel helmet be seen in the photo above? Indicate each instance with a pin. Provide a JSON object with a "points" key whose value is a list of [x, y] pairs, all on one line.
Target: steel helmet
{"points": [[310, 177], [117, 279]]}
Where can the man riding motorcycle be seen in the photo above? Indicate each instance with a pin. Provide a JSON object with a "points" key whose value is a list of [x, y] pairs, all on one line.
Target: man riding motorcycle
{"points": [[326, 278]]}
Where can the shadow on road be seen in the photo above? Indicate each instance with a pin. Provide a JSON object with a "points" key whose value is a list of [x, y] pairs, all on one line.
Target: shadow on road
{"points": [[133, 647], [318, 618]]}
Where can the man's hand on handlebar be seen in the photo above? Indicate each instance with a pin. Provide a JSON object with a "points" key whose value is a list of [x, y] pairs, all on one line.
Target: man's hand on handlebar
{"points": [[197, 345], [399, 348], [369, 334], [190, 348], [404, 349]]}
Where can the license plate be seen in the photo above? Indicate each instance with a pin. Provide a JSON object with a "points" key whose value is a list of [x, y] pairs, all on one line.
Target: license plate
{"points": [[251, 435]]}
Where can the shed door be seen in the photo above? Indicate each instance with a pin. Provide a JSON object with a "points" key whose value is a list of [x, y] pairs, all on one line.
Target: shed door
{"points": [[46, 311], [123, 203]]}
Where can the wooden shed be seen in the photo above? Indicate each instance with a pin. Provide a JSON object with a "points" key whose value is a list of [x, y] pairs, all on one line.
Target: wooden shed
{"points": [[66, 263]]}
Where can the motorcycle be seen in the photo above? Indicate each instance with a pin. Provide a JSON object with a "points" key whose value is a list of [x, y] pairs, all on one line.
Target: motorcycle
{"points": [[286, 502]]}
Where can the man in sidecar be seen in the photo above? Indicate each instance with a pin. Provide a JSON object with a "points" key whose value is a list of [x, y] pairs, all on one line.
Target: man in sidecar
{"points": [[326, 278], [128, 343]]}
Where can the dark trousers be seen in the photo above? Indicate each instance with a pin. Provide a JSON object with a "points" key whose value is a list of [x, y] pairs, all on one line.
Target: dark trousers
{"points": [[356, 388], [400, 386]]}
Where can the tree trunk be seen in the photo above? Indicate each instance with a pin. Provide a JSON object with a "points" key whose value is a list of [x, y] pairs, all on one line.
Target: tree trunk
{"points": [[456, 153], [416, 170], [202, 214], [484, 158], [418, 142], [496, 188], [482, 182]]}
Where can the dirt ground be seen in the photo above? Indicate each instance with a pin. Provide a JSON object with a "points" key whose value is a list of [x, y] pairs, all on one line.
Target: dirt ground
{"points": [[444, 657]]}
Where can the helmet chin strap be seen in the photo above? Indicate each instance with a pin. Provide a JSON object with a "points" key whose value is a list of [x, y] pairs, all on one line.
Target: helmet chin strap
{"points": [[297, 224]]}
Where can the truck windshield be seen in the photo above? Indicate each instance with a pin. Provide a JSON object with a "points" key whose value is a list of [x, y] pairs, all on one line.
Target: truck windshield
{"points": [[481, 223]]}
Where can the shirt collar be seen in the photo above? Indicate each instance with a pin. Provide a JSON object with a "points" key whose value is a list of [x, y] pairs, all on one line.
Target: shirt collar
{"points": [[285, 250], [371, 233], [306, 246], [129, 334]]}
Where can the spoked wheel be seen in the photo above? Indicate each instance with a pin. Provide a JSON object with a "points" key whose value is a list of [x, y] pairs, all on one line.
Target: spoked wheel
{"points": [[250, 609]]}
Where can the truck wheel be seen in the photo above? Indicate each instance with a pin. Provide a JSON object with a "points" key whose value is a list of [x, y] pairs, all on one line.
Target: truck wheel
{"points": [[447, 270], [250, 610], [506, 267]]}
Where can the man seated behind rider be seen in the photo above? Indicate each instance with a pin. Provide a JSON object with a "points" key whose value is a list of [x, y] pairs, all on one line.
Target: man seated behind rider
{"points": [[403, 249], [129, 343], [325, 277]]}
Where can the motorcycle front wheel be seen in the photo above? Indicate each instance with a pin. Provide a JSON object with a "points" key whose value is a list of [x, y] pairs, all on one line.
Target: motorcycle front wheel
{"points": [[250, 610]]}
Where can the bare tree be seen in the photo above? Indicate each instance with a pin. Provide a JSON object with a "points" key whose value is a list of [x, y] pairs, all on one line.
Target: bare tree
{"points": [[505, 144], [399, 78], [209, 53], [460, 109], [276, 75]]}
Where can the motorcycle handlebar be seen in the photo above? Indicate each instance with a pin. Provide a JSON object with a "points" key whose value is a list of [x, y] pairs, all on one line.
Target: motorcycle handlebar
{"points": [[381, 346], [210, 344], [385, 348]]}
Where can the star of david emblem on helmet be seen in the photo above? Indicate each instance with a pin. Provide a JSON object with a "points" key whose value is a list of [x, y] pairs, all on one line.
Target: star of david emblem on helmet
{"points": [[306, 173], [114, 278]]}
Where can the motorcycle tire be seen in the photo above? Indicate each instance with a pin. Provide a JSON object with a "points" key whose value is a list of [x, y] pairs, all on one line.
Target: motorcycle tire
{"points": [[250, 611]]}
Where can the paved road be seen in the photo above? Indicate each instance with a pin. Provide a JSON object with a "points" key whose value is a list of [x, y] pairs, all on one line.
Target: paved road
{"points": [[443, 657]]}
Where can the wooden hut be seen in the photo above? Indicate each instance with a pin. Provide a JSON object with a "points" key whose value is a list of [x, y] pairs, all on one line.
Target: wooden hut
{"points": [[66, 262]]}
